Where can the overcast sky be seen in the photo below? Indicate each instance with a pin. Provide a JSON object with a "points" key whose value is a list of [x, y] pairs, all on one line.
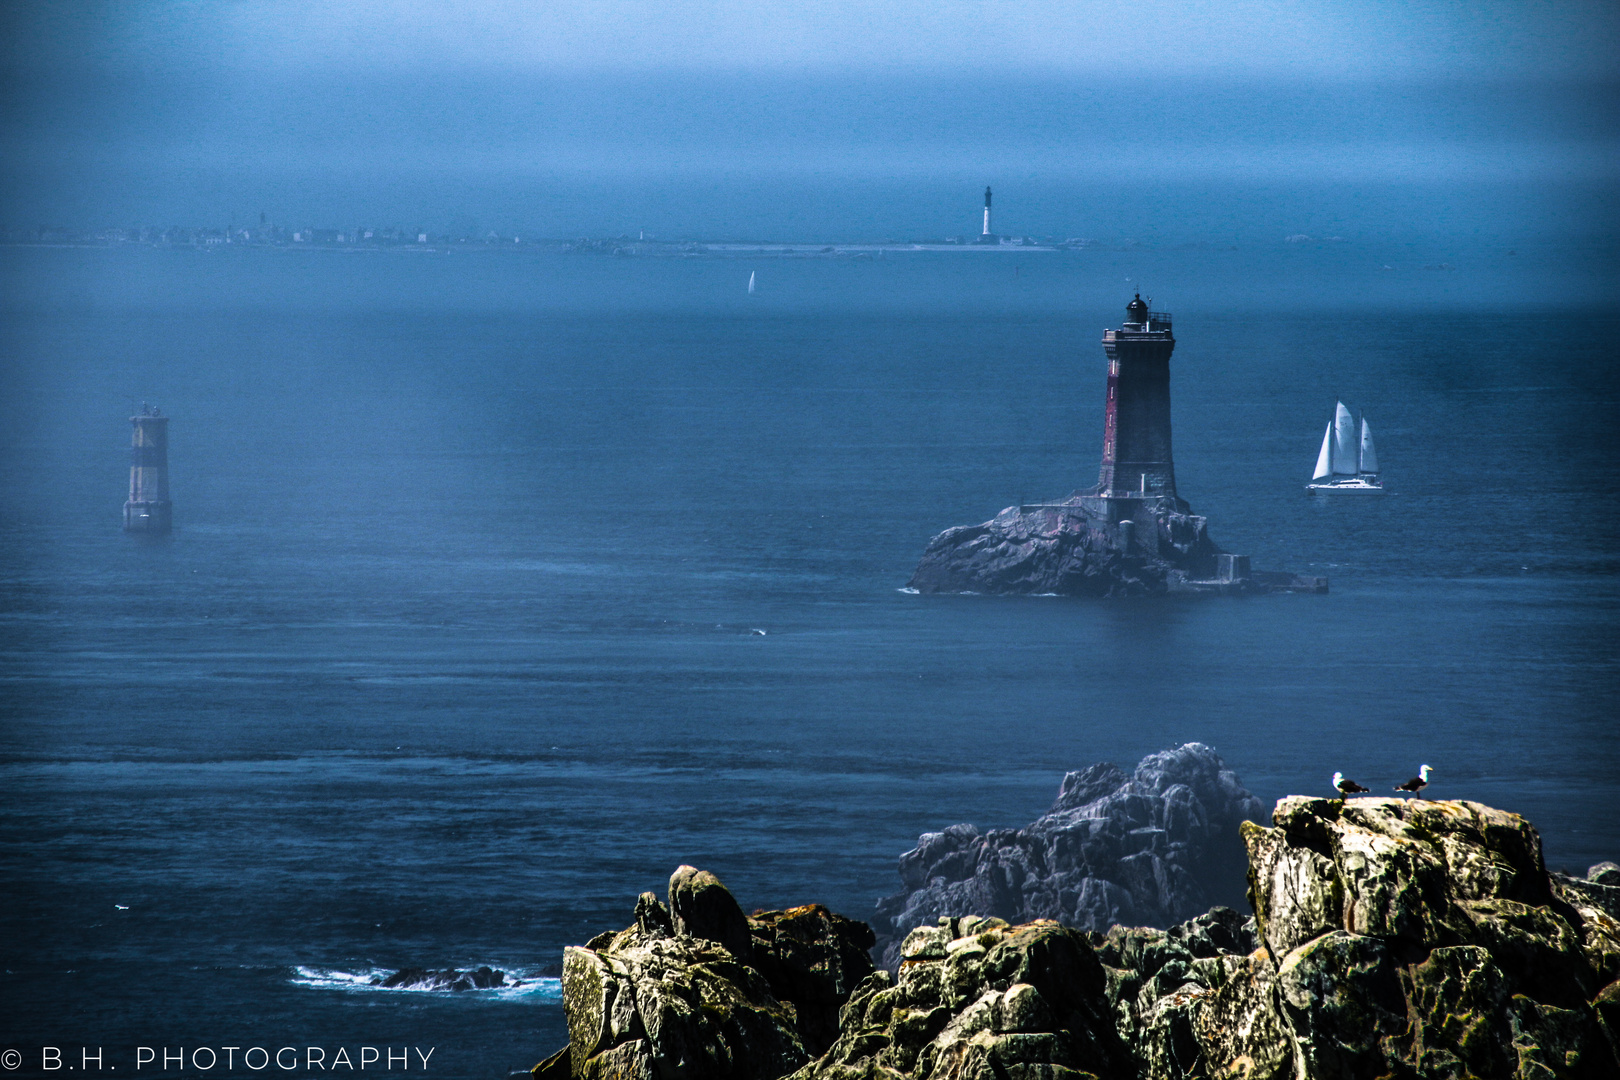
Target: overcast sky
{"points": [[1312, 37], [487, 111]]}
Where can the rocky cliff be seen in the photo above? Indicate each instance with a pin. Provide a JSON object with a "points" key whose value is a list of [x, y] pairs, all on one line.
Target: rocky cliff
{"points": [[1390, 938], [1146, 848]]}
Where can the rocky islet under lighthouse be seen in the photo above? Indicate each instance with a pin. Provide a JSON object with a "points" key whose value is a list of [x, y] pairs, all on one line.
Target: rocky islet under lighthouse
{"points": [[1131, 533]]}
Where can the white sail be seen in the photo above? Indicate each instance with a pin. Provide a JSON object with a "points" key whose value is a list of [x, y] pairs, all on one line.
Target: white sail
{"points": [[1369, 456], [750, 282], [1344, 442], [1324, 460]]}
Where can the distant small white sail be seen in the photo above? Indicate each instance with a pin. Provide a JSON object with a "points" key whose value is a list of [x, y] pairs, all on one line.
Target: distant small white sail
{"points": [[750, 283], [1344, 442], [1324, 460], [1369, 456]]}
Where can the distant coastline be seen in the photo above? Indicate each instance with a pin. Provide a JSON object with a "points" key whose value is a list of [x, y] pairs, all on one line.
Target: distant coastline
{"points": [[274, 237]]}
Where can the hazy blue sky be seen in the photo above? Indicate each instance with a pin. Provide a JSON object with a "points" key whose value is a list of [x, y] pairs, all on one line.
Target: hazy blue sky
{"points": [[1325, 37], [809, 120]]}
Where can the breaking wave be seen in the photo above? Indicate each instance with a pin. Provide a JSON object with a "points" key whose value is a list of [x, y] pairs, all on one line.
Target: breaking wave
{"points": [[519, 985]]}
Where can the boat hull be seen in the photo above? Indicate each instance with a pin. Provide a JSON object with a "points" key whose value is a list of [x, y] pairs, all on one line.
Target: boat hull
{"points": [[1357, 486]]}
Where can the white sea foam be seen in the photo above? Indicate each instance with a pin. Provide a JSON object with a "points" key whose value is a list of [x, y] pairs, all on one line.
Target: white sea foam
{"points": [[907, 589], [526, 987]]}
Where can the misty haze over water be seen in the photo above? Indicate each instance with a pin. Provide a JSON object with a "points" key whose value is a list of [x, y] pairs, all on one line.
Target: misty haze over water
{"points": [[453, 650]]}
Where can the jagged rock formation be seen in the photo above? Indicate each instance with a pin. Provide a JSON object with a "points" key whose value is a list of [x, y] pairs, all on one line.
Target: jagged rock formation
{"points": [[1149, 848], [1391, 938], [1060, 548], [699, 990]]}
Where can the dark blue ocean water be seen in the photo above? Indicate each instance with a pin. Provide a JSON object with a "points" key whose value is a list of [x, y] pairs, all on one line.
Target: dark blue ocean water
{"points": [[454, 649]]}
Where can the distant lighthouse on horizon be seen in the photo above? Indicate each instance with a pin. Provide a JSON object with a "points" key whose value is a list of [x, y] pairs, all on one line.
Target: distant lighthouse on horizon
{"points": [[987, 237]]}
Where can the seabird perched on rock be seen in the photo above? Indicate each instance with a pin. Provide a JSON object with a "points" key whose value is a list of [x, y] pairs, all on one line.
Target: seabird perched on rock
{"points": [[1418, 782], [1346, 788]]}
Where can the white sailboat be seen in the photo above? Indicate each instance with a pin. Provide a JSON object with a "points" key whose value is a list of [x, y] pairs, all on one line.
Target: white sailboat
{"points": [[750, 283], [1346, 463]]}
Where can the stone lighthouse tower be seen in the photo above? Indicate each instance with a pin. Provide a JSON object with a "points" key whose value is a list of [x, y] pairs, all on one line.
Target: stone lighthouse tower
{"points": [[148, 509], [1136, 459]]}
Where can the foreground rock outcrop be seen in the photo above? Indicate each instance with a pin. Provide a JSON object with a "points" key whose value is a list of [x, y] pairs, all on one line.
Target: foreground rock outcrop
{"points": [[698, 990], [1407, 937], [1390, 938], [1147, 848], [976, 998]]}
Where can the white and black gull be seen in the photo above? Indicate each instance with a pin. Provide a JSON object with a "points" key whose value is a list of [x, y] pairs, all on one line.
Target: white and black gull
{"points": [[1346, 787], [1417, 783]]}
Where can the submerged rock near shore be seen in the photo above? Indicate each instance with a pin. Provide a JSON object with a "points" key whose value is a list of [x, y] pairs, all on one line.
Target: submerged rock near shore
{"points": [[1390, 937], [1147, 848], [483, 978]]}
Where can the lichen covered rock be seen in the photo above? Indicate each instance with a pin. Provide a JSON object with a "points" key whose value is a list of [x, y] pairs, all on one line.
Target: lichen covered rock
{"points": [[813, 959], [699, 906], [1240, 1030], [1391, 938], [1425, 873], [698, 990], [1427, 938], [977, 999], [673, 1007]]}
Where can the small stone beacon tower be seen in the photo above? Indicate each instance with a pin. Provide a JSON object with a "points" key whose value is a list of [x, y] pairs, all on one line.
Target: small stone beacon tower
{"points": [[1136, 459], [148, 509]]}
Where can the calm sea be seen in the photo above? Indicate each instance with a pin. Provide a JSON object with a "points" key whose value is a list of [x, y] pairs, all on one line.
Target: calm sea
{"points": [[503, 582]]}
